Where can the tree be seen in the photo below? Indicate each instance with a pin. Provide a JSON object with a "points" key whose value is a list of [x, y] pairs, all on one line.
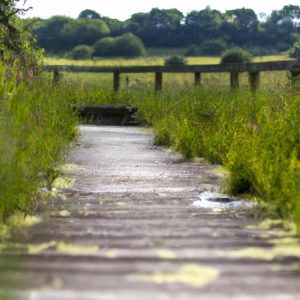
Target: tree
{"points": [[241, 25], [130, 45], [60, 34], [84, 31], [126, 45], [89, 14], [17, 46], [81, 52], [105, 47], [281, 27], [202, 25], [10, 33], [159, 27]]}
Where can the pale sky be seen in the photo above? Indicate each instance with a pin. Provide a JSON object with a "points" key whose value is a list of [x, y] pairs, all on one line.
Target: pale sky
{"points": [[123, 9]]}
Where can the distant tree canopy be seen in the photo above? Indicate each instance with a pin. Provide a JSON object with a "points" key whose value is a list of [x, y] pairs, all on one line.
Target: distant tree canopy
{"points": [[60, 34], [89, 14], [207, 30], [125, 45]]}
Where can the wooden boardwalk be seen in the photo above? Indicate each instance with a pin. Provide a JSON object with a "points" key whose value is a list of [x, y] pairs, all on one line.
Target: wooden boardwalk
{"points": [[125, 228]]}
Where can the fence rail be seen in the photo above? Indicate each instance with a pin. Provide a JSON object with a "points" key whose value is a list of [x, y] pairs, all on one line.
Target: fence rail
{"points": [[253, 69]]}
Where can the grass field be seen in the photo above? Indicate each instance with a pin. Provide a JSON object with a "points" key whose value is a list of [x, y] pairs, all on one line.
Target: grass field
{"points": [[256, 137], [274, 79], [149, 61]]}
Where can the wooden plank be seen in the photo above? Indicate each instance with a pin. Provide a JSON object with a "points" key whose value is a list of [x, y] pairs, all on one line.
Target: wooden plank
{"points": [[221, 68]]}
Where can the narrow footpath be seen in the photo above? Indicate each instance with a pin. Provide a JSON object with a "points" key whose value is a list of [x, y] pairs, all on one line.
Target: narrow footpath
{"points": [[125, 228]]}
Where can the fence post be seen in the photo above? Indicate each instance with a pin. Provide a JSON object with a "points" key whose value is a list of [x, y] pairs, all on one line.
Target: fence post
{"points": [[158, 81], [197, 78], [254, 80], [295, 77], [116, 81], [234, 81], [56, 76]]}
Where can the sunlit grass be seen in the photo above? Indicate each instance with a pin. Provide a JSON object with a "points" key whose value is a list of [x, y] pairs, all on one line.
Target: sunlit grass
{"points": [[149, 61], [36, 127], [256, 137]]}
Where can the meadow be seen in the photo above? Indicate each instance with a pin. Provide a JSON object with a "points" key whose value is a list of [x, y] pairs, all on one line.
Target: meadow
{"points": [[36, 128], [255, 137]]}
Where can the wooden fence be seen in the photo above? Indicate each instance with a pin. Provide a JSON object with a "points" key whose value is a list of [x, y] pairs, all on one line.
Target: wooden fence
{"points": [[253, 69]]}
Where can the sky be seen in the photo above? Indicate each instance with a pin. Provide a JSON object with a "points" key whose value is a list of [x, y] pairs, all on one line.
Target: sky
{"points": [[123, 9]]}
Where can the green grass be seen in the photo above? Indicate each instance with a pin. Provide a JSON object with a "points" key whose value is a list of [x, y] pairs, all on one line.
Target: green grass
{"points": [[256, 137], [148, 61], [36, 127]]}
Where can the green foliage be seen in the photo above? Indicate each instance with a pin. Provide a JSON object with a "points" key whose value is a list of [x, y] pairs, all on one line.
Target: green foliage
{"points": [[175, 60], [257, 138], [295, 51], [169, 28], [17, 45], [59, 34], [213, 47], [89, 14], [81, 52], [36, 127], [236, 55], [127, 45]]}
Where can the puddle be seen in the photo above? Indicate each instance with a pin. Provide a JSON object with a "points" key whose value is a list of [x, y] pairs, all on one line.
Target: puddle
{"points": [[211, 200]]}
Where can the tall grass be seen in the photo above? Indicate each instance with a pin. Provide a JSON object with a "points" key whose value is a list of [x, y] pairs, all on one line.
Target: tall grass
{"points": [[36, 126], [256, 137]]}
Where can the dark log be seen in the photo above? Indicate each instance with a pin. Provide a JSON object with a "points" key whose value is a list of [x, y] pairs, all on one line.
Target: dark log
{"points": [[107, 114]]}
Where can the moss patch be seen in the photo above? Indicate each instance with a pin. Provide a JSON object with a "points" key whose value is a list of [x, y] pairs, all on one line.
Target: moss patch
{"points": [[192, 275], [166, 254]]}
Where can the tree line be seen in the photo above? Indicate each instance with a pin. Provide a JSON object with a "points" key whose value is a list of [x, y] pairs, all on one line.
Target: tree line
{"points": [[203, 32]]}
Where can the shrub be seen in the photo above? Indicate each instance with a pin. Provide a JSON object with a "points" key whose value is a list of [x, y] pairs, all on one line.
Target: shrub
{"points": [[236, 55], [175, 60], [105, 47], [213, 47], [295, 51], [81, 52], [193, 50], [127, 45], [130, 45]]}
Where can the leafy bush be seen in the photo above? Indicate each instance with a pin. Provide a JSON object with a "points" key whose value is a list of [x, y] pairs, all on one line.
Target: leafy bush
{"points": [[126, 45], [213, 47], [81, 52], [193, 50], [130, 45], [295, 51], [236, 55], [105, 47], [175, 60]]}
